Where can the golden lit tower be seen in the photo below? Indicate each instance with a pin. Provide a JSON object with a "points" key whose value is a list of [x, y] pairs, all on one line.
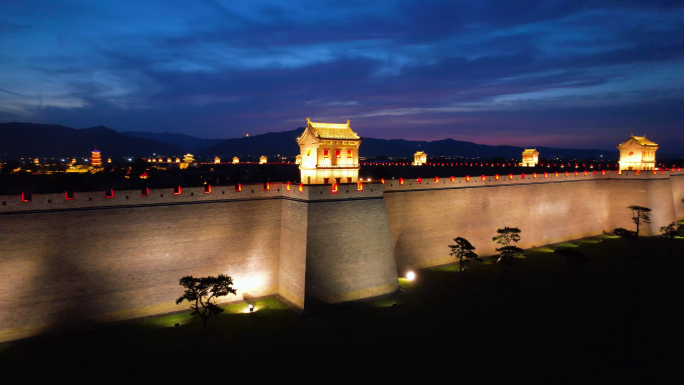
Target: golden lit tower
{"points": [[419, 158], [329, 153], [637, 153], [95, 158], [530, 157]]}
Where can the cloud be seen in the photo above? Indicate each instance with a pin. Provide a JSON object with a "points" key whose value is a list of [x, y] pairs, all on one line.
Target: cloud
{"points": [[493, 70]]}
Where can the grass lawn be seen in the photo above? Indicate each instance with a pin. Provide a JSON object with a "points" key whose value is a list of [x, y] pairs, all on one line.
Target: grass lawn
{"points": [[619, 320]]}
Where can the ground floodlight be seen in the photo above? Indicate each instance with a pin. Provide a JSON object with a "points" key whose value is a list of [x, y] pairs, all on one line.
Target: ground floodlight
{"points": [[410, 275], [251, 308]]}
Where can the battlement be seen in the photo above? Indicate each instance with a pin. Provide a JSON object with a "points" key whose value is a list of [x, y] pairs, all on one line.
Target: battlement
{"points": [[189, 195], [396, 185], [289, 190]]}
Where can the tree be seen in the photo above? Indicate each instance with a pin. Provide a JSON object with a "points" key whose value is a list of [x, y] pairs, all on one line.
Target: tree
{"points": [[462, 249], [202, 294], [506, 237], [669, 231], [624, 233], [640, 215]]}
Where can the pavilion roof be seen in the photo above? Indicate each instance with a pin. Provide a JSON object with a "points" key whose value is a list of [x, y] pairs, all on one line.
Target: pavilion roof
{"points": [[332, 130], [641, 140]]}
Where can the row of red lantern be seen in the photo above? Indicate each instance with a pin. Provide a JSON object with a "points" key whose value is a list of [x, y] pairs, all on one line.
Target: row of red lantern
{"points": [[419, 180], [69, 195], [481, 164]]}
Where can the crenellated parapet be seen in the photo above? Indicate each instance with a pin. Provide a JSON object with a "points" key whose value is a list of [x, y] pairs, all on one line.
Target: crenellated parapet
{"points": [[293, 190]]}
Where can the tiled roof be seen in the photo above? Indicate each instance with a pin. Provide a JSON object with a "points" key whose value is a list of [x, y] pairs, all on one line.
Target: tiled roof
{"points": [[643, 140], [332, 130], [530, 151], [639, 139]]}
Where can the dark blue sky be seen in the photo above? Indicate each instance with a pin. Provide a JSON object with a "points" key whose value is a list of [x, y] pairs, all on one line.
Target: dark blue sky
{"points": [[581, 74]]}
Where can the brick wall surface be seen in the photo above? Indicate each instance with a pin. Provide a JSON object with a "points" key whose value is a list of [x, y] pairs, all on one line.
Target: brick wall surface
{"points": [[65, 262], [58, 268], [678, 194], [293, 251], [424, 218], [349, 252]]}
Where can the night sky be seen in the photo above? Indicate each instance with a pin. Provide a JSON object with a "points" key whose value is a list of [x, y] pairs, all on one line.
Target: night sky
{"points": [[583, 74]]}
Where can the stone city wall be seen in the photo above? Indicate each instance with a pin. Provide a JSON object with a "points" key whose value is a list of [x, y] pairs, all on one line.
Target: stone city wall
{"points": [[95, 258], [425, 217]]}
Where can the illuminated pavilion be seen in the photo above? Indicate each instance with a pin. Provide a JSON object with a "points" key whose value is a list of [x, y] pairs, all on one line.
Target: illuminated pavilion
{"points": [[329, 153], [530, 157], [637, 153], [419, 158]]}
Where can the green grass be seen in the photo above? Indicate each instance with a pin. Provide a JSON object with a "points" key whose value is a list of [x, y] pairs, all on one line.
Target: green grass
{"points": [[236, 308], [616, 321], [565, 244]]}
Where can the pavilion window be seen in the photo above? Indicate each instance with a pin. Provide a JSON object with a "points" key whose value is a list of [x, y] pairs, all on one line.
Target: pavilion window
{"points": [[349, 153], [337, 153], [326, 153]]}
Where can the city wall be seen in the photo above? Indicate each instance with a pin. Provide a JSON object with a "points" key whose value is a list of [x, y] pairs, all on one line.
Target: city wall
{"points": [[425, 217], [93, 258]]}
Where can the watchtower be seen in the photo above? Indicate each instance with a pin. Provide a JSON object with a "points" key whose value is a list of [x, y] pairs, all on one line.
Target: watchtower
{"points": [[530, 157], [637, 153], [329, 153], [419, 158]]}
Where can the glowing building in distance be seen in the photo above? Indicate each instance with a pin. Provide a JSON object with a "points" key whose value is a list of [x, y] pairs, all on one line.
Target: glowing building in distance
{"points": [[96, 158], [329, 153], [419, 158], [530, 157], [637, 153]]}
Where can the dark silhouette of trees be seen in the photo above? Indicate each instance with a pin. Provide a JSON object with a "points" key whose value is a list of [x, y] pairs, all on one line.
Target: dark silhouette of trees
{"points": [[506, 237], [202, 294], [462, 249], [640, 215], [669, 231], [624, 233]]}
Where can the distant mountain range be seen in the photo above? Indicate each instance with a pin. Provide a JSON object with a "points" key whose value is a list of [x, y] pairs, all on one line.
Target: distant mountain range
{"points": [[24, 140], [28, 140]]}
